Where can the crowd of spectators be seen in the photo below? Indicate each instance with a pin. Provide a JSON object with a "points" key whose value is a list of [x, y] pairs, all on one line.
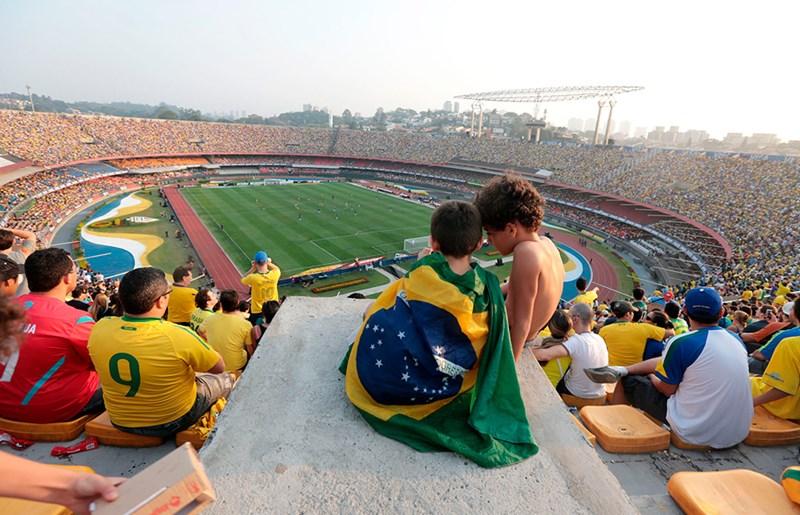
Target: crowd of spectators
{"points": [[737, 196], [157, 162]]}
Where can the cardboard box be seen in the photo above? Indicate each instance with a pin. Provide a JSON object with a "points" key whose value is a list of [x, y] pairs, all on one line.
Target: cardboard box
{"points": [[177, 483]]}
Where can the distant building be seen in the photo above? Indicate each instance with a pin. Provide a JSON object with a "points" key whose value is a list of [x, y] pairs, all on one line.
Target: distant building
{"points": [[456, 107], [575, 124], [656, 135], [307, 108], [733, 140], [624, 128], [762, 139], [448, 106], [588, 124], [640, 132]]}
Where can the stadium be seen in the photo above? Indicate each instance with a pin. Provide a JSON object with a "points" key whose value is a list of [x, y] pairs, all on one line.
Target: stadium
{"points": [[344, 211]]}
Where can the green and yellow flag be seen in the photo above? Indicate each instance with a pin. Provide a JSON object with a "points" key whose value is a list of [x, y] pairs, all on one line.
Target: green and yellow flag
{"points": [[432, 366]]}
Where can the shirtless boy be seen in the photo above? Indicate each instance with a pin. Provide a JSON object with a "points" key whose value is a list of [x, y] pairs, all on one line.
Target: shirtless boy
{"points": [[511, 212]]}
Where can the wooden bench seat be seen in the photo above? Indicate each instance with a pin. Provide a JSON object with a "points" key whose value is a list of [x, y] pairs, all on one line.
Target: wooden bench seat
{"points": [[53, 432], [729, 491], [579, 402], [107, 434], [766, 430], [680, 443], [624, 429]]}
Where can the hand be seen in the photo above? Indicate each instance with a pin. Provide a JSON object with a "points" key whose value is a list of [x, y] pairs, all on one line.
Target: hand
{"points": [[427, 251], [85, 488]]}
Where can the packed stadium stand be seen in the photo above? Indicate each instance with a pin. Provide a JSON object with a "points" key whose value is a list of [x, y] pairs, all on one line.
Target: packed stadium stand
{"points": [[727, 210]]}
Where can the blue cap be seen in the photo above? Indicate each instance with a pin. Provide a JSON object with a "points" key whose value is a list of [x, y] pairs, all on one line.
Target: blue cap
{"points": [[703, 303], [261, 257]]}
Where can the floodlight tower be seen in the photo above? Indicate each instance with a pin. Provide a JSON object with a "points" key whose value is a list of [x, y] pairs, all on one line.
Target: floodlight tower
{"points": [[30, 97], [476, 106], [537, 96]]}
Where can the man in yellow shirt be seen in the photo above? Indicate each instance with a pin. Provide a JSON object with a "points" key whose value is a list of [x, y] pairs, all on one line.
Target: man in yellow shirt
{"points": [[151, 370], [626, 340], [262, 278], [778, 390], [584, 297], [228, 333], [181, 301]]}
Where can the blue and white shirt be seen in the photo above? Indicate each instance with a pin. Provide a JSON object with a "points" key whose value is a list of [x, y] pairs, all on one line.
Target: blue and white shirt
{"points": [[713, 405]]}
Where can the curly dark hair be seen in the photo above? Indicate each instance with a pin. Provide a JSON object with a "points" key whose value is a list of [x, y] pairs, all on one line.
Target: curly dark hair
{"points": [[12, 316], [510, 198]]}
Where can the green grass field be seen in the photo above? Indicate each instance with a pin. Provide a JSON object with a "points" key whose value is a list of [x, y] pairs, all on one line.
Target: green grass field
{"points": [[307, 225]]}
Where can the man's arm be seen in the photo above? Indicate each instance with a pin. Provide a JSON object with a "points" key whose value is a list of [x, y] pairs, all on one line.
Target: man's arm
{"points": [[28, 240], [665, 388], [249, 271], [218, 368], [554, 352], [772, 395], [522, 297]]}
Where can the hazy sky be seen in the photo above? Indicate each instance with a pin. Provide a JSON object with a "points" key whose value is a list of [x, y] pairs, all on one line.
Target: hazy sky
{"points": [[719, 66]]}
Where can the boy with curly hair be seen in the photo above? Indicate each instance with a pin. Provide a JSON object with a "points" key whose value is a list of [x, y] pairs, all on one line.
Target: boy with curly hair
{"points": [[512, 211]]}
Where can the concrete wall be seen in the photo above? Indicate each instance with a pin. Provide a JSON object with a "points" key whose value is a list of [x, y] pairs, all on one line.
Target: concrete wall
{"points": [[291, 442]]}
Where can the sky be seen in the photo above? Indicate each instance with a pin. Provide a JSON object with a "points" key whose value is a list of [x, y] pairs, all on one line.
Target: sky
{"points": [[716, 66]]}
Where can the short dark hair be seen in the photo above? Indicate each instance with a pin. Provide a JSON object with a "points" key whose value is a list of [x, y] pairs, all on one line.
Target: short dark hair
{"points": [[660, 319], [581, 283], [672, 309], [180, 272], [229, 300], [560, 323], [456, 227], [269, 309], [9, 269], [510, 198], [704, 319], [6, 239], [638, 293], [45, 268], [141, 288], [202, 298]]}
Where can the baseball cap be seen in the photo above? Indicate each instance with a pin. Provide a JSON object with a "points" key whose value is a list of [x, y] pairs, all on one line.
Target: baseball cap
{"points": [[620, 308], [703, 302], [261, 257], [9, 268], [788, 307]]}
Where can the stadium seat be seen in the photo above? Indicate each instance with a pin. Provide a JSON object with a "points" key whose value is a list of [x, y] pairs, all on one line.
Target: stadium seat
{"points": [[728, 491], [624, 429], [680, 443], [55, 432], [579, 402], [103, 430], [198, 433], [592, 439], [767, 430], [9, 505]]}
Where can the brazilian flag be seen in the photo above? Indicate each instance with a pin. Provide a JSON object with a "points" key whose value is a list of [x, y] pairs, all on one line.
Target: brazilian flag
{"points": [[432, 366]]}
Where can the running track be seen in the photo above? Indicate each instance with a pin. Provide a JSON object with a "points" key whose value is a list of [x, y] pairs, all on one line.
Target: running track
{"points": [[602, 271], [221, 269]]}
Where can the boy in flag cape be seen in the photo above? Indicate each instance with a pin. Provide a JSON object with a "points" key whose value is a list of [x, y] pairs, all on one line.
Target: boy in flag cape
{"points": [[432, 364]]}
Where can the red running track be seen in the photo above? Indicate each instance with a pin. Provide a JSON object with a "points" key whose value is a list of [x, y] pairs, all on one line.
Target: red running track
{"points": [[603, 272], [221, 269]]}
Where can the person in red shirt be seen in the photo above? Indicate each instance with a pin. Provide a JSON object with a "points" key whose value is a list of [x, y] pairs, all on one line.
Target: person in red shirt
{"points": [[51, 377]]}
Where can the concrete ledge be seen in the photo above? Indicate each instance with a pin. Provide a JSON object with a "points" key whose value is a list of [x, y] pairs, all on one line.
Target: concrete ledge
{"points": [[289, 441]]}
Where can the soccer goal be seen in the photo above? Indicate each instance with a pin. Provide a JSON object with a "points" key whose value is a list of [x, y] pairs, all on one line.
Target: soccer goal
{"points": [[412, 245]]}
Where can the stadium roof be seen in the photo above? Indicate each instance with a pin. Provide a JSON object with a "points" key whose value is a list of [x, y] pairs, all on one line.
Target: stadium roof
{"points": [[550, 94]]}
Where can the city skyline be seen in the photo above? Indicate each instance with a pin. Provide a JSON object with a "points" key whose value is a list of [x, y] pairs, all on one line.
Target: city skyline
{"points": [[702, 67]]}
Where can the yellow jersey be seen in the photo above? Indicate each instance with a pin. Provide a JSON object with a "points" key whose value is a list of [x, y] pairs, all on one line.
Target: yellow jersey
{"points": [[782, 290], [181, 304], [264, 287], [587, 297], [782, 373], [626, 341], [147, 368], [228, 333], [198, 316]]}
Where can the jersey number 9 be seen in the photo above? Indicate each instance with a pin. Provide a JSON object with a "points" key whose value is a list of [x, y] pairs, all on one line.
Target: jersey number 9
{"points": [[133, 371]]}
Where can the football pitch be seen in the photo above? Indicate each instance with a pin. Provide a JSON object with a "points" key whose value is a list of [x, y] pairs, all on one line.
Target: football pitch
{"points": [[302, 226]]}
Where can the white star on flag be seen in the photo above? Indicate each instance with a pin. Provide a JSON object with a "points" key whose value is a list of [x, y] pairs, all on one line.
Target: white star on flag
{"points": [[366, 326], [401, 335], [372, 347], [380, 342], [375, 328], [405, 377], [379, 363], [438, 350]]}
